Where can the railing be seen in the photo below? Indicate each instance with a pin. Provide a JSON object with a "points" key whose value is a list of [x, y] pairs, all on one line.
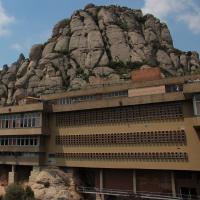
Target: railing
{"points": [[140, 195]]}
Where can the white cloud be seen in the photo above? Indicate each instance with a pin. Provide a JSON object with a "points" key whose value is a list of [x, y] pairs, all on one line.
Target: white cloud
{"points": [[193, 22], [187, 11], [162, 8], [5, 20], [17, 47]]}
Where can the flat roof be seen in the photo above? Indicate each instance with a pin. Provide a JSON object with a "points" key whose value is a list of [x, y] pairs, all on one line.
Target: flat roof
{"points": [[106, 88]]}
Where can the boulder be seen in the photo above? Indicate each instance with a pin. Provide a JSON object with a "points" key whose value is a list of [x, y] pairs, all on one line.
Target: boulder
{"points": [[163, 58], [62, 44], [36, 52], [77, 83], [175, 60], [103, 71], [49, 47], [119, 48], [23, 68], [53, 184], [59, 26], [166, 37]]}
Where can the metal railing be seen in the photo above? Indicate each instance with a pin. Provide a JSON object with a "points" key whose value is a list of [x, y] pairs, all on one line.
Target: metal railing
{"points": [[139, 195]]}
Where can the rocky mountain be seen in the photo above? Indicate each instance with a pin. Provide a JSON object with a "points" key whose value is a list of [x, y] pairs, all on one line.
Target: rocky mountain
{"points": [[97, 44]]}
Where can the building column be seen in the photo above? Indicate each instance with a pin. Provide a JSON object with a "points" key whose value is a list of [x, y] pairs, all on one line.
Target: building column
{"points": [[134, 182], [173, 184], [101, 196], [12, 175], [101, 179]]}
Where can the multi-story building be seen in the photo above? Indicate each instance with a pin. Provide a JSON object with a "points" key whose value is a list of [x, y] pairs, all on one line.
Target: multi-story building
{"points": [[139, 137]]}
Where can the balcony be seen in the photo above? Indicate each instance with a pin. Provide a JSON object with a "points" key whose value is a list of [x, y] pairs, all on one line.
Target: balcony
{"points": [[21, 131], [22, 108], [190, 88], [10, 148], [20, 160], [196, 122]]}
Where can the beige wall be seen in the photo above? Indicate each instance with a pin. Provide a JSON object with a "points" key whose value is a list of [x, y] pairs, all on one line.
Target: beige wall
{"points": [[21, 131], [21, 108], [187, 124], [146, 91], [192, 146]]}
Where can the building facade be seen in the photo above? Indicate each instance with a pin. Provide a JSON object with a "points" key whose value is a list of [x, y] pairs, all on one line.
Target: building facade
{"points": [[139, 137]]}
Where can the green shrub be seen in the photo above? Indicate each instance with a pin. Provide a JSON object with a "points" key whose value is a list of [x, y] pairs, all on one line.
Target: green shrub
{"points": [[17, 192], [135, 65], [67, 21], [90, 5], [79, 71], [128, 65], [177, 51], [14, 192], [28, 193], [122, 24]]}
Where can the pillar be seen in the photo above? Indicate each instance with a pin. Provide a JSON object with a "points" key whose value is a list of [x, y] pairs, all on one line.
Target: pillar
{"points": [[12, 175], [173, 184], [100, 196], [134, 182], [101, 179]]}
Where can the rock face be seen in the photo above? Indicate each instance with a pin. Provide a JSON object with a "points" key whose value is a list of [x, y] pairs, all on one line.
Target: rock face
{"points": [[53, 184], [96, 43]]}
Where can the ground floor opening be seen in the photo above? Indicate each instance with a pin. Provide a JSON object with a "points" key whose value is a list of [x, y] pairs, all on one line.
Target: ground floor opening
{"points": [[185, 184]]}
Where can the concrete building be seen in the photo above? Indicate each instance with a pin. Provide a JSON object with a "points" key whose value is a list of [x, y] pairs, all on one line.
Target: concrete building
{"points": [[140, 137]]}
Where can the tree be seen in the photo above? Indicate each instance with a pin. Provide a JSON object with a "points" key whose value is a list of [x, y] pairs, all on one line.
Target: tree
{"points": [[17, 192], [13, 192], [28, 194]]}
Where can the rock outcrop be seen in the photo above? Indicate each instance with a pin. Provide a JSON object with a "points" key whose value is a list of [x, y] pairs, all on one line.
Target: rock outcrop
{"points": [[53, 184], [96, 44]]}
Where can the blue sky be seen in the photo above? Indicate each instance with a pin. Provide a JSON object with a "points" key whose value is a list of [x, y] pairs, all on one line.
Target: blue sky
{"points": [[26, 22]]}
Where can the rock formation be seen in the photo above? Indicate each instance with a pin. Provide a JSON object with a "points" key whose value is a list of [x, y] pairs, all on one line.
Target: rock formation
{"points": [[96, 44], [53, 184]]}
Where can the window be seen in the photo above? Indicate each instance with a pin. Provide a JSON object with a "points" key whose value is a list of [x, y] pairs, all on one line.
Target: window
{"points": [[174, 137], [196, 104], [174, 88], [20, 120], [161, 111], [19, 141], [72, 100], [156, 156]]}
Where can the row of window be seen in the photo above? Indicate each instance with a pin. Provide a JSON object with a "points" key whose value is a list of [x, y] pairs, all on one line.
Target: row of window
{"points": [[72, 100], [163, 156], [161, 111], [20, 141], [157, 137], [123, 93], [20, 120], [174, 88]]}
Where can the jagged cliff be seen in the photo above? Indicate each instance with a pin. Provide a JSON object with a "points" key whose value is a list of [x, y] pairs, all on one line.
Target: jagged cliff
{"points": [[96, 44]]}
